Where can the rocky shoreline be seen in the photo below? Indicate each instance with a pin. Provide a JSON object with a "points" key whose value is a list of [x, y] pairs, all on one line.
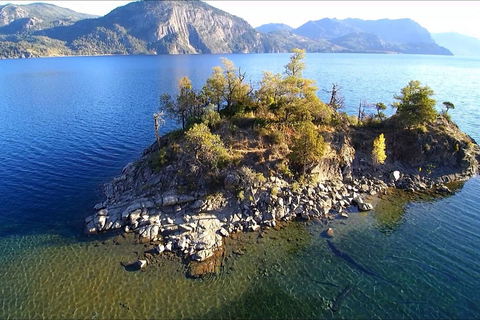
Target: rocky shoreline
{"points": [[171, 207], [194, 225]]}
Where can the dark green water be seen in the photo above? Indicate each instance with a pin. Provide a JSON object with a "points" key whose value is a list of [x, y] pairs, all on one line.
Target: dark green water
{"points": [[48, 276]]}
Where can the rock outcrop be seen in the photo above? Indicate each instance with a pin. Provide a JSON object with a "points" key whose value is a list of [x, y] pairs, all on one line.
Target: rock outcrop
{"points": [[161, 207]]}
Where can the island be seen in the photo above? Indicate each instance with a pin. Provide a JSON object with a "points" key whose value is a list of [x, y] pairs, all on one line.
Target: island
{"points": [[247, 159]]}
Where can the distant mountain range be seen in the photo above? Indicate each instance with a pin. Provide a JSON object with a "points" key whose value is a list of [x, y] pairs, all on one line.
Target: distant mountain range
{"points": [[179, 27], [458, 44]]}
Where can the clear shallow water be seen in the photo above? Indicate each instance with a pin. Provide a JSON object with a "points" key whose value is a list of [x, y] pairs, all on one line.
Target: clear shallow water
{"points": [[69, 124]]}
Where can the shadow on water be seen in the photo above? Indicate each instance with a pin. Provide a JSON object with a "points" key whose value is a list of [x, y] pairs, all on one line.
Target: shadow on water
{"points": [[268, 301], [390, 209]]}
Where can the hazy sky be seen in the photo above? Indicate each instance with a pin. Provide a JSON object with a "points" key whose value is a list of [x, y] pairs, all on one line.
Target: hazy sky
{"points": [[437, 16]]}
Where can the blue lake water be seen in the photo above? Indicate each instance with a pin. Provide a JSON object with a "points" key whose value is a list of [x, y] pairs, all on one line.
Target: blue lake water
{"points": [[67, 125]]}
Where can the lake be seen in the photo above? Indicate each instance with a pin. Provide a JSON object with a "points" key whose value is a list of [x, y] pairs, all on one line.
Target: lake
{"points": [[70, 124]]}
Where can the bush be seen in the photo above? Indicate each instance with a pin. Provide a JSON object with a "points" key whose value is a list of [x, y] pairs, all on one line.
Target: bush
{"points": [[208, 148], [211, 117]]}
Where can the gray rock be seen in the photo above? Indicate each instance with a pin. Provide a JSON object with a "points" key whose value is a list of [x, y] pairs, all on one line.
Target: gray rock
{"points": [[90, 228], [99, 206], [99, 222], [169, 200], [197, 204], [365, 206], [160, 248]]}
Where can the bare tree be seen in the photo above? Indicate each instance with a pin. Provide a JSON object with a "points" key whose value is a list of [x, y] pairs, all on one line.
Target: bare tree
{"points": [[336, 99], [158, 121]]}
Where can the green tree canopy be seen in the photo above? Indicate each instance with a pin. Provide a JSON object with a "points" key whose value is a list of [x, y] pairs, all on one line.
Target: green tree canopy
{"points": [[415, 105], [308, 147]]}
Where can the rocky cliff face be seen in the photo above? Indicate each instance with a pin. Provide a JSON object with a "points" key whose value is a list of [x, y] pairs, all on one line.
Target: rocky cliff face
{"points": [[169, 27]]}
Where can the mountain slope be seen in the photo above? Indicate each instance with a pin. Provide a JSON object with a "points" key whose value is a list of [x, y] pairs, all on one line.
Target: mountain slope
{"points": [[394, 31], [36, 16], [272, 27], [325, 29], [385, 35], [458, 44], [162, 27]]}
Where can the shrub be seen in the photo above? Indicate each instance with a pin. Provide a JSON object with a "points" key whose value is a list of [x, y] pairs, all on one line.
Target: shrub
{"points": [[378, 152], [208, 148]]}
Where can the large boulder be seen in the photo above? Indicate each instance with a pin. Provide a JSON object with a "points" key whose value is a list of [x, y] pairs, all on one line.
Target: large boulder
{"points": [[365, 206]]}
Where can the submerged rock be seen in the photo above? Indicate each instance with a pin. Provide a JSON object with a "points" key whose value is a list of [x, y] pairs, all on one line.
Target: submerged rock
{"points": [[329, 232]]}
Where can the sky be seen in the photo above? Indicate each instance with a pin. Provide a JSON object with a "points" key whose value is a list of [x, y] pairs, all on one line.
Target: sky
{"points": [[437, 16]]}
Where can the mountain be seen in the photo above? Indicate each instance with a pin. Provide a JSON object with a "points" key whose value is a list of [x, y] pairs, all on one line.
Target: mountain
{"points": [[385, 35], [272, 27], [190, 27], [458, 44], [394, 31], [36, 16], [155, 27], [325, 29]]}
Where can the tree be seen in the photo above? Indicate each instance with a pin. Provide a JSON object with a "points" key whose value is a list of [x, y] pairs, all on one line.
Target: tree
{"points": [[308, 147], [207, 147], [296, 65], [336, 99], [158, 120], [185, 104], [236, 92], [214, 87], [448, 105], [415, 105], [378, 152], [380, 106]]}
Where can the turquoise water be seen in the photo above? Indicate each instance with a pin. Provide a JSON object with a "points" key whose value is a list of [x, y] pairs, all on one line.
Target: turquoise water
{"points": [[70, 124]]}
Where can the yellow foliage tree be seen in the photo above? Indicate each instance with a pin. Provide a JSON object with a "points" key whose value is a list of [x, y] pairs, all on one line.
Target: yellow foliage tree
{"points": [[378, 152]]}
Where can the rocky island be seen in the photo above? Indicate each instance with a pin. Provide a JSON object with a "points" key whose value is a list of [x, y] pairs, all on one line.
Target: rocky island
{"points": [[248, 159]]}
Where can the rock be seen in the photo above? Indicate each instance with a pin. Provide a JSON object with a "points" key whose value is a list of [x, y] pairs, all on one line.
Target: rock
{"points": [[102, 212], [160, 248], [344, 215], [395, 175], [365, 206], [169, 200], [357, 199], [99, 206], [443, 189], [329, 232], [185, 227], [135, 215], [209, 266], [90, 228], [231, 181], [197, 204], [136, 265], [223, 232], [203, 255], [168, 247], [99, 222]]}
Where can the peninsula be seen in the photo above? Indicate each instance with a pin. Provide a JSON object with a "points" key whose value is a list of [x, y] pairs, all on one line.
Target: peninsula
{"points": [[246, 159]]}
